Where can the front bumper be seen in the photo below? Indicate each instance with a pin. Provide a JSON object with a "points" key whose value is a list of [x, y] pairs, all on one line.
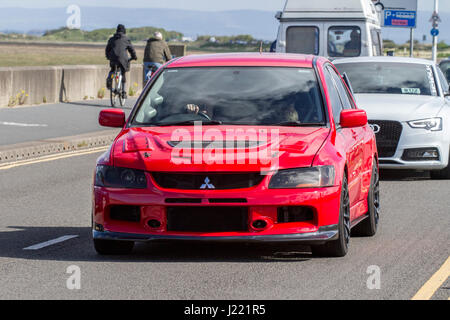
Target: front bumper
{"points": [[323, 235], [262, 204], [417, 139]]}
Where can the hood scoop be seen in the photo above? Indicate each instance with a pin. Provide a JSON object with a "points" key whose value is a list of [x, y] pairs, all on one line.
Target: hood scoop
{"points": [[224, 144]]}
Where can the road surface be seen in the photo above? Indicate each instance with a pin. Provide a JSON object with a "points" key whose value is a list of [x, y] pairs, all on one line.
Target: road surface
{"points": [[44, 201], [34, 123]]}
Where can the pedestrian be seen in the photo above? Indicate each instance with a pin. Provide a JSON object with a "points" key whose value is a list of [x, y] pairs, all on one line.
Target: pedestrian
{"points": [[156, 53]]}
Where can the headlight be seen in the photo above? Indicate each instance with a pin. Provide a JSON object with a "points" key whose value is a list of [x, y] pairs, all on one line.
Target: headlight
{"points": [[432, 124], [112, 177], [313, 177]]}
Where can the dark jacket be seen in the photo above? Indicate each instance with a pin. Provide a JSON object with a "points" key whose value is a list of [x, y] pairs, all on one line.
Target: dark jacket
{"points": [[157, 51], [116, 50]]}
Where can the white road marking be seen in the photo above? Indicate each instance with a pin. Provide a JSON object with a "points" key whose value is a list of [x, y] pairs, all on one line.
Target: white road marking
{"points": [[52, 157], [50, 242], [22, 124]]}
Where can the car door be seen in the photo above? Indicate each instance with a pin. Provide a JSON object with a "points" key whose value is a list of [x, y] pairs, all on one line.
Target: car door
{"points": [[351, 137]]}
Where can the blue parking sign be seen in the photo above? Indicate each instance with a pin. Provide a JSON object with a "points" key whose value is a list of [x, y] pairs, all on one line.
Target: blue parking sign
{"points": [[400, 18]]}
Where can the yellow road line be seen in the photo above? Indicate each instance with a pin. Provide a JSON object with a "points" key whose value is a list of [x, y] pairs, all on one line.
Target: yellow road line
{"points": [[52, 158], [431, 286]]}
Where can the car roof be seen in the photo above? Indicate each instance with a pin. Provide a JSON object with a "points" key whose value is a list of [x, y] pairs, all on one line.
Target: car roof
{"points": [[384, 59], [244, 59]]}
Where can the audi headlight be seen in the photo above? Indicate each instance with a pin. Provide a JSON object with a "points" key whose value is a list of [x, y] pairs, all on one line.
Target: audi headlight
{"points": [[112, 177], [432, 124], [314, 177]]}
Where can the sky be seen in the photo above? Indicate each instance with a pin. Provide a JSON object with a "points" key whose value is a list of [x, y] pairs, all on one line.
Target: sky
{"points": [[204, 5]]}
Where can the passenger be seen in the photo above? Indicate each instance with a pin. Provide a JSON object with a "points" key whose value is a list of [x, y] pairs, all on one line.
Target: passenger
{"points": [[353, 47]]}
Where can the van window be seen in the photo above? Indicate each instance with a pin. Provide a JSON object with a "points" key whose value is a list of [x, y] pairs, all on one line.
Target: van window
{"points": [[344, 41], [302, 40], [376, 42]]}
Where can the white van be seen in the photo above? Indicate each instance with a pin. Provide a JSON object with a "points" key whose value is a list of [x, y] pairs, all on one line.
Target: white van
{"points": [[330, 28]]}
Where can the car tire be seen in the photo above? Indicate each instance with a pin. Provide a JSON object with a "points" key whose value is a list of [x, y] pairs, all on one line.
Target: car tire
{"points": [[443, 174], [113, 247], [368, 227], [338, 247]]}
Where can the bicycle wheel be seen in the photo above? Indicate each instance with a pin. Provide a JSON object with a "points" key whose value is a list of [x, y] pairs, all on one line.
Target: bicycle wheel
{"points": [[121, 91], [114, 90]]}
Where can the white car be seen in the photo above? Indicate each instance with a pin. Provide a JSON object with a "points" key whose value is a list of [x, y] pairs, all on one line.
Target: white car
{"points": [[408, 105]]}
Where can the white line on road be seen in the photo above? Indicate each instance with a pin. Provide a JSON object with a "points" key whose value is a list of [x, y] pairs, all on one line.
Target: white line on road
{"points": [[22, 124], [50, 242], [52, 157]]}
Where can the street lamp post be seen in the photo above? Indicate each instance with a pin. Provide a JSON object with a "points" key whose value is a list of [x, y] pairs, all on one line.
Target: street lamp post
{"points": [[435, 37]]}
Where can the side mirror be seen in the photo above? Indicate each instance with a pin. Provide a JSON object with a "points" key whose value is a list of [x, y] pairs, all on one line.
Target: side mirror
{"points": [[114, 118], [351, 118]]}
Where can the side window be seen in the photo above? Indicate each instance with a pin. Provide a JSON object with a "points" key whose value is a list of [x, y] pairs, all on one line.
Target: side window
{"points": [[342, 90], [336, 104], [344, 41], [302, 40], [443, 81], [376, 42]]}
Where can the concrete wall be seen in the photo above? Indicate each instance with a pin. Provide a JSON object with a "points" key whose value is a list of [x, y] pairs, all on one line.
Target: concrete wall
{"points": [[178, 50], [60, 83]]}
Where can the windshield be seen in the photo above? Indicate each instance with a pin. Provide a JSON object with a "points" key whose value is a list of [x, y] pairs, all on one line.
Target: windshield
{"points": [[233, 95], [390, 78]]}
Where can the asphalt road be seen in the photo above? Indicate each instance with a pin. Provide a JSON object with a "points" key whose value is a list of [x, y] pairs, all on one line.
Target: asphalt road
{"points": [[34, 123], [48, 200]]}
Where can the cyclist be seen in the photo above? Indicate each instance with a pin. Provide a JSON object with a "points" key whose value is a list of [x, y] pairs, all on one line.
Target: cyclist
{"points": [[116, 53], [156, 53]]}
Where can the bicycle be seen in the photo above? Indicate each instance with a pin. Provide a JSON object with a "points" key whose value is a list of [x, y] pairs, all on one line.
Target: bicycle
{"points": [[150, 73], [117, 91]]}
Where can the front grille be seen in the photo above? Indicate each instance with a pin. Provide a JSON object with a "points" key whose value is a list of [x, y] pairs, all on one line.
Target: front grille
{"points": [[125, 213], [387, 137], [202, 181], [207, 219], [295, 214]]}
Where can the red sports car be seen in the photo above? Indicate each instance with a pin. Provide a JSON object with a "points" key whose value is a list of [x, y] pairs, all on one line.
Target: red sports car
{"points": [[239, 147]]}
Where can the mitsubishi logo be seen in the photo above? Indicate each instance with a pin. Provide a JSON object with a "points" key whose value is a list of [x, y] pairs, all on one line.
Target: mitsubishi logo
{"points": [[207, 184], [376, 128]]}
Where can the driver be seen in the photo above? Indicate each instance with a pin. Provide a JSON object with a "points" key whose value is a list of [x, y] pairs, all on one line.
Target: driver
{"points": [[195, 109], [353, 47]]}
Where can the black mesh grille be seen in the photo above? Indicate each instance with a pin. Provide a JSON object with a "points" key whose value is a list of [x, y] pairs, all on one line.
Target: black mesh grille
{"points": [[387, 137], [215, 181], [125, 213], [207, 219]]}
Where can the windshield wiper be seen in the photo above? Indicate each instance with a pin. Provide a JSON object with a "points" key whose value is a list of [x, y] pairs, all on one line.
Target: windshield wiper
{"points": [[188, 123], [298, 124]]}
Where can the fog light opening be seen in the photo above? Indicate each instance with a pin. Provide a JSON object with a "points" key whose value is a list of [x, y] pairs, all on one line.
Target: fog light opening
{"points": [[259, 224], [421, 154], [154, 224]]}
